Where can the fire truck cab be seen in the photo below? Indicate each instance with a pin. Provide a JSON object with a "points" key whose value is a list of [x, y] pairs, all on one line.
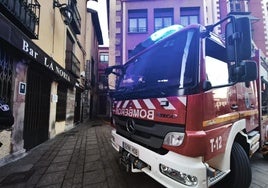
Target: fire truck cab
{"points": [[186, 106]]}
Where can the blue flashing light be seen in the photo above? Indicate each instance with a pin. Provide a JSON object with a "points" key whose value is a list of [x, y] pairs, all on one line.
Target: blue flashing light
{"points": [[155, 37], [165, 32]]}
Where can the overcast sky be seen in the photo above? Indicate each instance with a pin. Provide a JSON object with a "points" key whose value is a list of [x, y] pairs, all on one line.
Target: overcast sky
{"points": [[101, 7], [103, 21]]}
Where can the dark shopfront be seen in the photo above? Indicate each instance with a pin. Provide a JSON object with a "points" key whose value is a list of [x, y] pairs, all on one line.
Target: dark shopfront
{"points": [[28, 89]]}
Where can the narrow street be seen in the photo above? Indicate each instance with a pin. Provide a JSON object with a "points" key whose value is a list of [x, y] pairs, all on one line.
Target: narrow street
{"points": [[259, 171], [84, 157]]}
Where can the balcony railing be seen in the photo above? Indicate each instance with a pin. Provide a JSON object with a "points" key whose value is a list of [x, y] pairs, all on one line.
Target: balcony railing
{"points": [[76, 21], [72, 64], [24, 14]]}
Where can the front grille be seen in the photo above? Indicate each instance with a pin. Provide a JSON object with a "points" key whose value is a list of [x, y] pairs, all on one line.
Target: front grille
{"points": [[149, 134]]}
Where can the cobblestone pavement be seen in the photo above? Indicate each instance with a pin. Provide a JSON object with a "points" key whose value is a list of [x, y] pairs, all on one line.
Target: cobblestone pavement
{"points": [[259, 171], [84, 157]]}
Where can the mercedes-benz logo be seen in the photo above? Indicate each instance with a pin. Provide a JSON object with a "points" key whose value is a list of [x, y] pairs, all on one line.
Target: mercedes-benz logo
{"points": [[130, 126]]}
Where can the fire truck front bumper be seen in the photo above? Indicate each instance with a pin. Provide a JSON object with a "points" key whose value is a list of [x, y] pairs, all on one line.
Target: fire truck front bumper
{"points": [[171, 169]]}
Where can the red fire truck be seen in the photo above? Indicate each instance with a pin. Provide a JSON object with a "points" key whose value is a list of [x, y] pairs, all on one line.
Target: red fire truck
{"points": [[189, 108]]}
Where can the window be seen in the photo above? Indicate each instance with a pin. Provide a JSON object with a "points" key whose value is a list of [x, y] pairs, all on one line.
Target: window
{"points": [[163, 18], [189, 15], [71, 61], [75, 24], [6, 63], [104, 57], [61, 104], [170, 65], [216, 66], [217, 71], [137, 21], [235, 6]]}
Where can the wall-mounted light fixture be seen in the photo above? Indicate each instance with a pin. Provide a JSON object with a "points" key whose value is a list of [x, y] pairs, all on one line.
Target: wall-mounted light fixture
{"points": [[65, 11]]}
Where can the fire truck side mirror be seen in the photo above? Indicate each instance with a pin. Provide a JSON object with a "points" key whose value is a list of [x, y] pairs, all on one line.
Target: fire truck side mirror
{"points": [[246, 71], [238, 39], [112, 73], [117, 70]]}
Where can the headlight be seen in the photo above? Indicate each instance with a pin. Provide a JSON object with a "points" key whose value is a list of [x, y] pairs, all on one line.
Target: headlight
{"points": [[181, 177], [174, 139]]}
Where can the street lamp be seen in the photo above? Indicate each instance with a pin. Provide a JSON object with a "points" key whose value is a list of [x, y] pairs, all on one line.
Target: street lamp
{"points": [[65, 11]]}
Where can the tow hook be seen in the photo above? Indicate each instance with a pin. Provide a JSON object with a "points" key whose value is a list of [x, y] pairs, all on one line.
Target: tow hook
{"points": [[124, 160], [127, 160], [139, 164]]}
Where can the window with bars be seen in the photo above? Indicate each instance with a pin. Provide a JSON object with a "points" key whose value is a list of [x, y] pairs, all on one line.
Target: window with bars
{"points": [[189, 15], [163, 18], [137, 21], [6, 63]]}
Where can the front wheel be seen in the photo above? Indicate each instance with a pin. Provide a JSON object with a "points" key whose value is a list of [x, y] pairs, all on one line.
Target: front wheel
{"points": [[240, 175]]}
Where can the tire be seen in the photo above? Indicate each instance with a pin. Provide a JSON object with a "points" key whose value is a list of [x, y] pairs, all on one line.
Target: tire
{"points": [[240, 175]]}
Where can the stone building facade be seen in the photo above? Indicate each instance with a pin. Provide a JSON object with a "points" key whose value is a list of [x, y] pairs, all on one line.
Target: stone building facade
{"points": [[47, 51]]}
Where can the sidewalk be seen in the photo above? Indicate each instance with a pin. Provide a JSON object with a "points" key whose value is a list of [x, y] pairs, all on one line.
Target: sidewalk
{"points": [[81, 157]]}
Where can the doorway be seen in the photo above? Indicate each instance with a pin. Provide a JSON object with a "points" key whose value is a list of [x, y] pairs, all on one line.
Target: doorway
{"points": [[37, 108]]}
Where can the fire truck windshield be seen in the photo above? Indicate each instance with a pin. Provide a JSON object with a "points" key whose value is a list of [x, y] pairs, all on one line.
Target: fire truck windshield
{"points": [[170, 64]]}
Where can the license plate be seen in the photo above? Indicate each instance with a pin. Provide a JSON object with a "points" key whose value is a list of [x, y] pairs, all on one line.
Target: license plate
{"points": [[131, 149]]}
